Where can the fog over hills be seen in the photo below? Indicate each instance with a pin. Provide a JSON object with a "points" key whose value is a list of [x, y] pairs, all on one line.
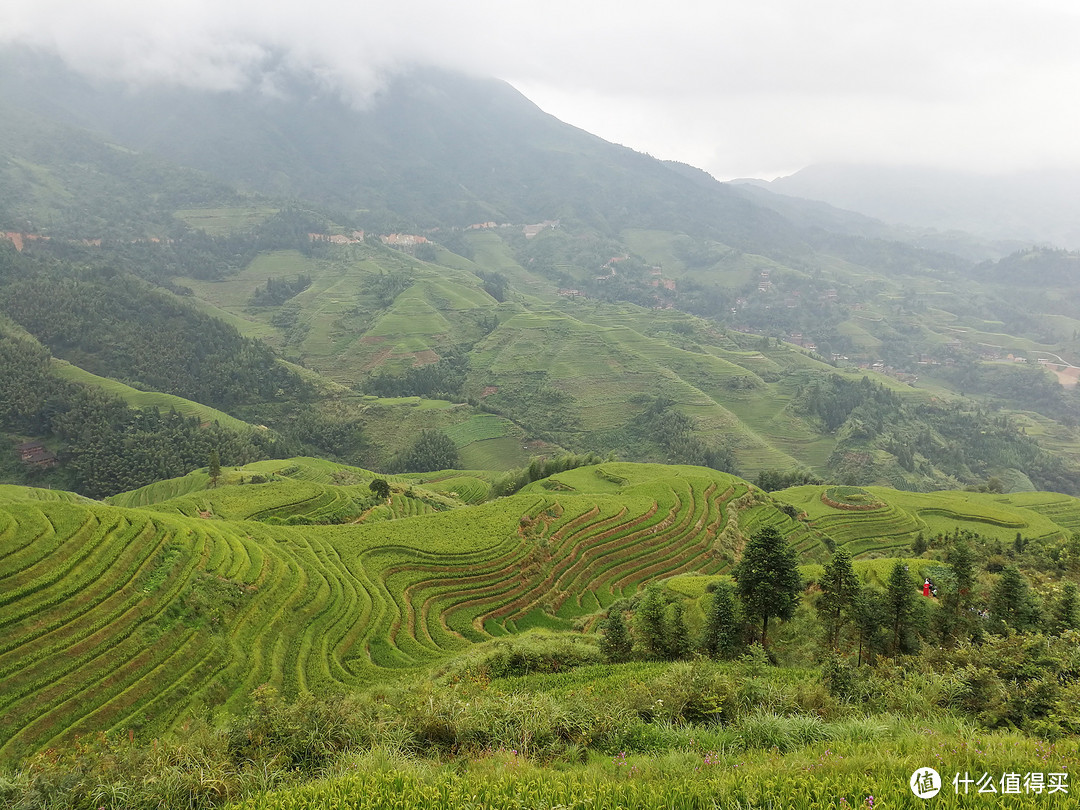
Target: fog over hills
{"points": [[1040, 207]]}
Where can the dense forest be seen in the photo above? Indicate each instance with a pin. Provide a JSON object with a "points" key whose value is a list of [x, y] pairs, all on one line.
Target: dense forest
{"points": [[117, 326], [105, 446]]}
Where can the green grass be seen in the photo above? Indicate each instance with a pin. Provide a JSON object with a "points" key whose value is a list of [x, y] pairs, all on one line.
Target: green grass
{"points": [[821, 765]]}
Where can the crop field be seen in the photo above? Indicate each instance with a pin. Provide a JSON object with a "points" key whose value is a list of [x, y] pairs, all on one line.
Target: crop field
{"points": [[220, 221], [600, 366], [370, 310], [345, 330]]}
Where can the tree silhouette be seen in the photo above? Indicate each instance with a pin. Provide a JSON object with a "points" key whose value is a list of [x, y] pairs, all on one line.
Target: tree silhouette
{"points": [[900, 603], [214, 467], [721, 637], [616, 641]]}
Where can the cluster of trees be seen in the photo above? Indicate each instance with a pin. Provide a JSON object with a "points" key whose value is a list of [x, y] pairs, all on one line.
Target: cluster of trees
{"points": [[833, 400], [278, 291], [543, 409], [544, 467], [1027, 387], [432, 450], [384, 286], [767, 586], [444, 379], [949, 444], [678, 437], [1036, 265], [322, 431], [773, 480], [495, 284], [865, 620], [661, 432], [187, 252]]}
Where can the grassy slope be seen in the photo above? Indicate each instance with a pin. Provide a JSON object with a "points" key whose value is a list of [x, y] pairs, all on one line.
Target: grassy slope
{"points": [[599, 359], [899, 517]]}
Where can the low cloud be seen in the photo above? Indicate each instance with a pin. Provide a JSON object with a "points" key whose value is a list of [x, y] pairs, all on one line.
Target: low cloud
{"points": [[734, 87]]}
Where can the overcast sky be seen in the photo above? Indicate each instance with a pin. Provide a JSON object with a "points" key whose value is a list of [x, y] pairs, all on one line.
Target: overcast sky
{"points": [[740, 89]]}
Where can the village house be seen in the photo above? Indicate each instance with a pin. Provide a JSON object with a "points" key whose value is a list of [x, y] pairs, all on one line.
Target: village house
{"points": [[532, 230], [403, 239], [36, 453], [337, 238]]}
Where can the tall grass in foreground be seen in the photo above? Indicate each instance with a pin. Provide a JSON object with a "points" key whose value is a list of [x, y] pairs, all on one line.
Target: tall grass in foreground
{"points": [[844, 773], [762, 761]]}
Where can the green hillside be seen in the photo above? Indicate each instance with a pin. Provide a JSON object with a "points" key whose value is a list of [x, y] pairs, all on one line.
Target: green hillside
{"points": [[147, 399], [657, 314]]}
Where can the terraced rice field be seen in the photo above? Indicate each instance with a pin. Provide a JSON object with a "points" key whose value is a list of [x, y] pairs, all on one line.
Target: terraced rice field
{"points": [[885, 521], [130, 618], [117, 618]]}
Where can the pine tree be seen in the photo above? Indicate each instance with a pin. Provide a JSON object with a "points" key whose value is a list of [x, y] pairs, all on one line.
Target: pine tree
{"points": [[839, 588], [214, 467], [615, 642], [721, 637], [649, 623], [767, 578], [957, 596], [1011, 602], [869, 615], [1067, 610], [676, 634], [900, 603]]}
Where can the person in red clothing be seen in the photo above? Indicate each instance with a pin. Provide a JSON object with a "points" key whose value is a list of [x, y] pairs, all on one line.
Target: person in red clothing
{"points": [[926, 588]]}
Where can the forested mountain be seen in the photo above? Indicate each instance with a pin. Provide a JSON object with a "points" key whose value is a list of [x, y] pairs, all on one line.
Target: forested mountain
{"points": [[433, 148]]}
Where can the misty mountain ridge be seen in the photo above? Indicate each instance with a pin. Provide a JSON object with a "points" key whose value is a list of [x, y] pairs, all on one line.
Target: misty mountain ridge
{"points": [[435, 149], [1034, 207], [432, 149]]}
